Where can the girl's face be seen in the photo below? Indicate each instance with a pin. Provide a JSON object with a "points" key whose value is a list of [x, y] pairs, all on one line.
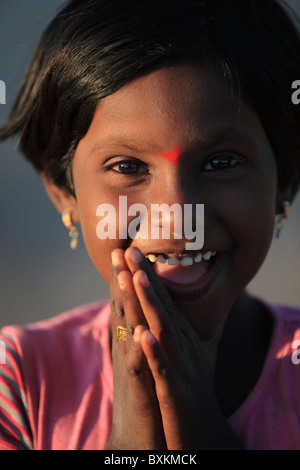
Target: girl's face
{"points": [[178, 135]]}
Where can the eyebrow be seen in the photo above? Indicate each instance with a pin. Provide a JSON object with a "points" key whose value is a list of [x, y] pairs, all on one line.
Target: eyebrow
{"points": [[222, 135], [228, 134], [124, 142]]}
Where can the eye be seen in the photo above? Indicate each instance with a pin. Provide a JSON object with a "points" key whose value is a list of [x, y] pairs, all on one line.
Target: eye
{"points": [[224, 162], [128, 167]]}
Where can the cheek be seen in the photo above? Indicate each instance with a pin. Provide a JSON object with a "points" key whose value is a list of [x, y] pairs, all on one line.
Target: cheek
{"points": [[253, 202], [256, 216], [251, 223], [98, 249]]}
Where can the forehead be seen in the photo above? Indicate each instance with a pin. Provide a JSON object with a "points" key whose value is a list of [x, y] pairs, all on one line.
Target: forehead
{"points": [[170, 107], [169, 92]]}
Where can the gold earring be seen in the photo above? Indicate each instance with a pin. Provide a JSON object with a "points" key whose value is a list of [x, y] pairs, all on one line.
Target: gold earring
{"points": [[286, 209], [73, 232], [279, 222]]}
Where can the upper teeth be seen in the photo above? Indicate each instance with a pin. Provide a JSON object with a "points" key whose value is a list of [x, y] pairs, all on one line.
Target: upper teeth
{"points": [[184, 260]]}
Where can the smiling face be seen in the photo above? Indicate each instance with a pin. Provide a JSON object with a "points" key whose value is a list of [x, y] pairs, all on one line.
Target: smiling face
{"points": [[177, 135]]}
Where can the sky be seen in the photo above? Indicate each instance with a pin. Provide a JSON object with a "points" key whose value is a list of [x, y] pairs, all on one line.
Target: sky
{"points": [[40, 276]]}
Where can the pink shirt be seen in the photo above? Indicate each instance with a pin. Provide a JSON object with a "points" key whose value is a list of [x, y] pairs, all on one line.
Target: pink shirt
{"points": [[269, 419], [64, 371], [56, 387]]}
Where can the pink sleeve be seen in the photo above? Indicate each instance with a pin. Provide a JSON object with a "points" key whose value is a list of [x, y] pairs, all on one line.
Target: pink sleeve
{"points": [[15, 433]]}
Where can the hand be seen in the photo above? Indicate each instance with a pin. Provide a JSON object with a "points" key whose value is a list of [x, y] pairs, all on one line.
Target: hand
{"points": [[190, 413], [136, 416]]}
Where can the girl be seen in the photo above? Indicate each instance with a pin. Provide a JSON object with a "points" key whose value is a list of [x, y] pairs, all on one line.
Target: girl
{"points": [[181, 102]]}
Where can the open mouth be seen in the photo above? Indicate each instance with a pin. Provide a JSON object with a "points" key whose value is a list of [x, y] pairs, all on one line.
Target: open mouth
{"points": [[187, 276]]}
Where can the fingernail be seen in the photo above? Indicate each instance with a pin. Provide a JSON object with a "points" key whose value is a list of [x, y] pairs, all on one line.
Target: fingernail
{"points": [[114, 258], [136, 256], [144, 280], [150, 338], [121, 283]]}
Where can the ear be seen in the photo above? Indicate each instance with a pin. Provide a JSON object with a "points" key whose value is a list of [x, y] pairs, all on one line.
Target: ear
{"points": [[61, 198]]}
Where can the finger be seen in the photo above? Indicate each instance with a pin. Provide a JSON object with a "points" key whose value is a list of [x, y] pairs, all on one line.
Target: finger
{"points": [[169, 393], [133, 312], [159, 321], [142, 391], [161, 368], [136, 261], [158, 361], [118, 264], [136, 363], [116, 298]]}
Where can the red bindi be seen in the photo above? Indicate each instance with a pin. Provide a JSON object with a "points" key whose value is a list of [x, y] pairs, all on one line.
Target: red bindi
{"points": [[172, 155]]}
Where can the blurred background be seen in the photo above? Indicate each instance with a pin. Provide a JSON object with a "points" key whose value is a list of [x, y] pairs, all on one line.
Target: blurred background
{"points": [[40, 276]]}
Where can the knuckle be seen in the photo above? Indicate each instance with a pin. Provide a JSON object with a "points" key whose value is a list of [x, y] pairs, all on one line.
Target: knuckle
{"points": [[152, 296], [113, 273], [163, 372], [166, 336], [117, 309], [134, 365], [130, 330], [134, 370]]}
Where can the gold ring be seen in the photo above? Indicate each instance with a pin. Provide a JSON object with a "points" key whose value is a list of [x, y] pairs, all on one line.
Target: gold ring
{"points": [[121, 332]]}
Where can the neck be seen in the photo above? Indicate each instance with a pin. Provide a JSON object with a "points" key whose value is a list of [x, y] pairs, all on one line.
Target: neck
{"points": [[210, 346]]}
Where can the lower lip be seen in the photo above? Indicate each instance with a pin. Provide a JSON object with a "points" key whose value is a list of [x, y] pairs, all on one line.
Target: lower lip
{"points": [[196, 289]]}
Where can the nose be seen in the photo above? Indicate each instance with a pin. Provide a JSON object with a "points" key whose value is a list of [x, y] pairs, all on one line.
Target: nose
{"points": [[177, 184], [176, 208]]}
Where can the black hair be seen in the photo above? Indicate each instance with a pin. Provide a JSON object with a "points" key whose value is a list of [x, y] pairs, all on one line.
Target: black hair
{"points": [[94, 47]]}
